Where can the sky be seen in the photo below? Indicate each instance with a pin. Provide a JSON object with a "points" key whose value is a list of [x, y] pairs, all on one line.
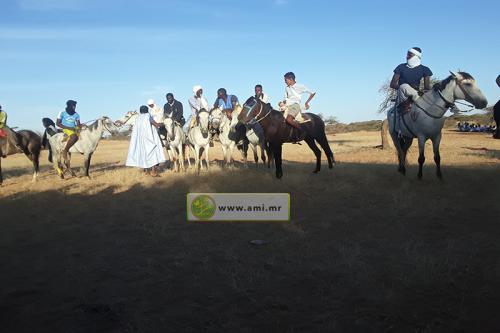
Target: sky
{"points": [[111, 56]]}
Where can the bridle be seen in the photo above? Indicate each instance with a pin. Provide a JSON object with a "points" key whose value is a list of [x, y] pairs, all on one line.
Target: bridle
{"points": [[105, 126], [447, 103], [129, 117], [249, 109]]}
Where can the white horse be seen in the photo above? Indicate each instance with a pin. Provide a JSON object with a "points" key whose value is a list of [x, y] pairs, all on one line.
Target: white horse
{"points": [[230, 137], [425, 120], [256, 138], [87, 143], [198, 138], [175, 141]]}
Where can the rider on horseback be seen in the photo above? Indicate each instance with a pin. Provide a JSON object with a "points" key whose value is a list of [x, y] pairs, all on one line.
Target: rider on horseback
{"points": [[293, 96], [197, 103], [174, 109], [69, 121], [226, 102], [407, 77], [260, 94]]}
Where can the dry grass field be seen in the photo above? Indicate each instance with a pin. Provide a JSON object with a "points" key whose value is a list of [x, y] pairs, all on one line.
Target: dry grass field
{"points": [[367, 249]]}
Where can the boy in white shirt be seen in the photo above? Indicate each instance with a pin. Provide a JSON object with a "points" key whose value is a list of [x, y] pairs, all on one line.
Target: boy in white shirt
{"points": [[293, 96]]}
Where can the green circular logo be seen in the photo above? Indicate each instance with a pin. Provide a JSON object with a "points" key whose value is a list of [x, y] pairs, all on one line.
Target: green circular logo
{"points": [[203, 207]]}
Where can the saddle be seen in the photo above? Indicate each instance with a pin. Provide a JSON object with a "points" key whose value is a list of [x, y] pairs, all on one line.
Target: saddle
{"points": [[301, 118], [405, 107]]}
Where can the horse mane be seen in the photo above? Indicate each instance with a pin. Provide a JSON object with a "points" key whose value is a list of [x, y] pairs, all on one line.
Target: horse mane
{"points": [[441, 85], [94, 125]]}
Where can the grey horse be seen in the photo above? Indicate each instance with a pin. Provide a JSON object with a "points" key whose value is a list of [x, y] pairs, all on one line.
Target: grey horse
{"points": [[425, 119], [175, 141], [87, 143], [198, 138]]}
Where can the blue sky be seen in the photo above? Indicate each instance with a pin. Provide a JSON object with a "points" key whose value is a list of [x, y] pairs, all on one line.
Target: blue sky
{"points": [[111, 56]]}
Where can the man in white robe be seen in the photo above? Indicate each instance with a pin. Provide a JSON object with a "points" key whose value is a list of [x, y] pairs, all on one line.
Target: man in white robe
{"points": [[145, 149]]}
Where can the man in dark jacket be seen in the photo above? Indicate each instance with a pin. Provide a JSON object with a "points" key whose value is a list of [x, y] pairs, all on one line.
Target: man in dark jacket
{"points": [[173, 109]]}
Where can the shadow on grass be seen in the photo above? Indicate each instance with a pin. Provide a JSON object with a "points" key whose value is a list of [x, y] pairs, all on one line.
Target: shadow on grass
{"points": [[367, 249]]}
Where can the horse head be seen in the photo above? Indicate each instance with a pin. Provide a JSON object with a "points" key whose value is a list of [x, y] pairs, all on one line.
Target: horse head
{"points": [[203, 121], [463, 86], [169, 126], [109, 125], [249, 110], [215, 118], [128, 118]]}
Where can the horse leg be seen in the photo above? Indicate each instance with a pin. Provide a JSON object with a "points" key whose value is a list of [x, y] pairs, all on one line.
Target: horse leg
{"points": [[270, 155], [437, 157], [56, 163], [263, 153], [401, 160], [323, 142], [181, 157], [224, 156], [255, 155], [86, 164], [1, 177], [310, 142], [197, 158], [68, 165], [36, 165], [421, 155], [277, 148], [206, 157]]}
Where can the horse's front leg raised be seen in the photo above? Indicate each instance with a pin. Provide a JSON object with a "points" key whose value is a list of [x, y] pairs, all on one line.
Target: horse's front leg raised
{"points": [[421, 155], [437, 157]]}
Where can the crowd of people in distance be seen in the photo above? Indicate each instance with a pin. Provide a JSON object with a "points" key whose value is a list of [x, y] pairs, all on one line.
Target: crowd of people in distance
{"points": [[471, 127]]}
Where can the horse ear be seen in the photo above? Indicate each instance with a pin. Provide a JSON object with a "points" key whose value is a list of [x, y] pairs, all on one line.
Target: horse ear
{"points": [[453, 74]]}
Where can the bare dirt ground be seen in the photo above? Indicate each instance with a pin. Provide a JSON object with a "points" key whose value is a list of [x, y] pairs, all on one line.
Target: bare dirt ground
{"points": [[367, 249]]}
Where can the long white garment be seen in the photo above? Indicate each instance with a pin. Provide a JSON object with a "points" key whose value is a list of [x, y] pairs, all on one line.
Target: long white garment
{"points": [[145, 149]]}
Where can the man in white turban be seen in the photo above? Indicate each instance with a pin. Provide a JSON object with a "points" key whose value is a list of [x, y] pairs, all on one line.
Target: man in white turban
{"points": [[408, 76], [155, 111], [197, 102]]}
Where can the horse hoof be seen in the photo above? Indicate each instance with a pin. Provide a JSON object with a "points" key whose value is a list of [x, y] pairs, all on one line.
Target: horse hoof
{"points": [[279, 174]]}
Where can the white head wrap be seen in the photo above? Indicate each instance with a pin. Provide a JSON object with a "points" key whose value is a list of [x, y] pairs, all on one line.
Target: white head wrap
{"points": [[415, 52], [196, 89], [151, 102], [416, 60]]}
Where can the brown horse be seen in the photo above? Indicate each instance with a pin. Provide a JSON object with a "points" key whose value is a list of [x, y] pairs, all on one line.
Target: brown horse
{"points": [[277, 131], [28, 142]]}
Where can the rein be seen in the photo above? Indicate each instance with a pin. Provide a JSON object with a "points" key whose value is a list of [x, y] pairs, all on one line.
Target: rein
{"points": [[448, 104], [130, 117]]}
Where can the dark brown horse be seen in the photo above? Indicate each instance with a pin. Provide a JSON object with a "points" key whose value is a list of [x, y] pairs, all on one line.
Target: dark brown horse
{"points": [[27, 142], [277, 131]]}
